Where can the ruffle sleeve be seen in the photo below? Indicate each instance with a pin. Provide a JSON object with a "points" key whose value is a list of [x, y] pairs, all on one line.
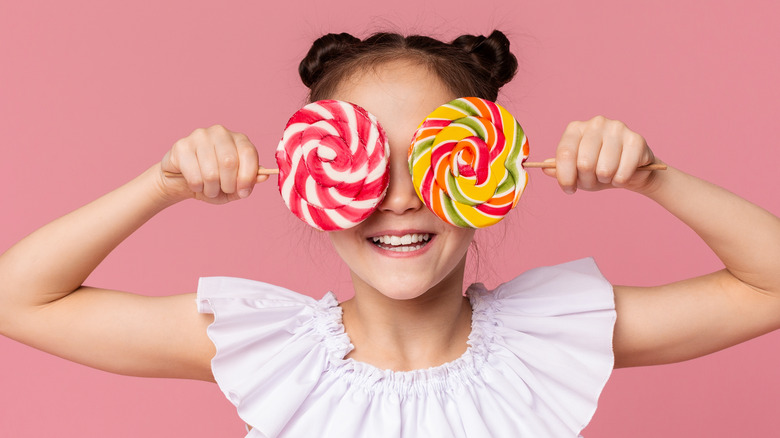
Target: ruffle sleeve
{"points": [[552, 335], [264, 335]]}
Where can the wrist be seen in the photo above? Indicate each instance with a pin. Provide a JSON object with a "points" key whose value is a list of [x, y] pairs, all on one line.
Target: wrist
{"points": [[656, 181], [665, 186], [162, 193]]}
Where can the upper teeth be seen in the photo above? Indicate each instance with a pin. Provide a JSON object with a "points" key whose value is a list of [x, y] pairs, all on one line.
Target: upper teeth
{"points": [[406, 239]]}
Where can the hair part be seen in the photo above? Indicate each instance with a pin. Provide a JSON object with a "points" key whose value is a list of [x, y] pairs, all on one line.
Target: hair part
{"points": [[470, 65]]}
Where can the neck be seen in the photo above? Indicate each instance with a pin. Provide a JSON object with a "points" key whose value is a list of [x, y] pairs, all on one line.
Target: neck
{"points": [[401, 335]]}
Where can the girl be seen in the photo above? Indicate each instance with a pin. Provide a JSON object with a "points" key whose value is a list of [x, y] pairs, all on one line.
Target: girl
{"points": [[409, 355]]}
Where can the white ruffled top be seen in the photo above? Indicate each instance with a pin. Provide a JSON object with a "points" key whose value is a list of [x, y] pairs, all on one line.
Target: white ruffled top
{"points": [[540, 352]]}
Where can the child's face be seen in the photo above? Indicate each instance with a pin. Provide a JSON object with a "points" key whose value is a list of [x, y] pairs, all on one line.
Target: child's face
{"points": [[401, 94]]}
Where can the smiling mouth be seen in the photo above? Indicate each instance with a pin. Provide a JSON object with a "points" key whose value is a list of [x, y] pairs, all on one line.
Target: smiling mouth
{"points": [[405, 243]]}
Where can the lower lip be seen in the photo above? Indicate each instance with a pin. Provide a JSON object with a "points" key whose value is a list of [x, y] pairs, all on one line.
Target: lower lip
{"points": [[404, 254]]}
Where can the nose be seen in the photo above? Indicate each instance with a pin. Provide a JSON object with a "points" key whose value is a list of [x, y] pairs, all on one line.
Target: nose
{"points": [[401, 196]]}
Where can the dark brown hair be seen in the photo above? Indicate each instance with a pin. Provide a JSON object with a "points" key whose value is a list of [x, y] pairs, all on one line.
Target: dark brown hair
{"points": [[470, 65]]}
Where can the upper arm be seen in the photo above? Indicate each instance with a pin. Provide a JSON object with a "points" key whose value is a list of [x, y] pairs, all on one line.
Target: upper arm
{"points": [[122, 333], [688, 319]]}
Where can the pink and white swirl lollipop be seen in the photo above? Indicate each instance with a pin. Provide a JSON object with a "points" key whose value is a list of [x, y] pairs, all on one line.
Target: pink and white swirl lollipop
{"points": [[333, 164]]}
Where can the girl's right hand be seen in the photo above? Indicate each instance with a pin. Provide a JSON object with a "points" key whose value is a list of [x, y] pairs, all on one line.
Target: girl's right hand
{"points": [[217, 166]]}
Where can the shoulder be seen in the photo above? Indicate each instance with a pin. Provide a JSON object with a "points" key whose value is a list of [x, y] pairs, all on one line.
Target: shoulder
{"points": [[269, 317], [253, 293], [229, 298], [576, 286]]}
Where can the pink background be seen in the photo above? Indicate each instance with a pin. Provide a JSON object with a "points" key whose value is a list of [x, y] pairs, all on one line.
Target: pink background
{"points": [[92, 93]]}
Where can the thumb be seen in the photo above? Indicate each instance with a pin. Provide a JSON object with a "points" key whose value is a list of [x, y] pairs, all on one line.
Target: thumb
{"points": [[549, 171]]}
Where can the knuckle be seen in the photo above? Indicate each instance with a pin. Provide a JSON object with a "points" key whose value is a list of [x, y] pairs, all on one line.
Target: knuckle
{"points": [[248, 154], [603, 174], [586, 164], [599, 120], [244, 146], [199, 136], [620, 179], [566, 154], [614, 127], [635, 140], [210, 176], [229, 161], [195, 184], [219, 129], [179, 146], [567, 178]]}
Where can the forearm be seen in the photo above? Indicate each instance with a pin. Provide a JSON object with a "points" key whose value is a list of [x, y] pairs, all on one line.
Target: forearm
{"points": [[56, 259], [744, 236]]}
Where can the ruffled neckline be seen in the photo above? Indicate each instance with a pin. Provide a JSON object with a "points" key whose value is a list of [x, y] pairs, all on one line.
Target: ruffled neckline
{"points": [[328, 324], [538, 356]]}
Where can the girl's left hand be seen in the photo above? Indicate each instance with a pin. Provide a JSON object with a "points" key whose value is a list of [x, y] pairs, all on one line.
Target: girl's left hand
{"points": [[599, 154]]}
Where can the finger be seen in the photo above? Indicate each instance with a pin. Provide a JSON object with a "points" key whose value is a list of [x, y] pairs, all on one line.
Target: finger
{"points": [[588, 155], [635, 154], [209, 169], [550, 171], [261, 178], [609, 158], [247, 165], [183, 160], [227, 159], [566, 158]]}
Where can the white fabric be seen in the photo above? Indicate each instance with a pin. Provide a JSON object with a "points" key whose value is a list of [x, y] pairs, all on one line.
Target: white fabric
{"points": [[539, 354]]}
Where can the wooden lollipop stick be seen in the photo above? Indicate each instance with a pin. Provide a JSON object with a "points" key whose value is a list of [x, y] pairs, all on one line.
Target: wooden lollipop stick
{"points": [[260, 171], [551, 165], [527, 164]]}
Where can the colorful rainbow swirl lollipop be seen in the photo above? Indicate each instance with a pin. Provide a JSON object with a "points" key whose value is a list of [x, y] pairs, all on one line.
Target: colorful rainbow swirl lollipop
{"points": [[333, 164], [466, 161]]}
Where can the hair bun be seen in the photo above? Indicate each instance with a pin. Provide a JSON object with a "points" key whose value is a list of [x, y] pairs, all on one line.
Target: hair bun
{"points": [[323, 50], [491, 53]]}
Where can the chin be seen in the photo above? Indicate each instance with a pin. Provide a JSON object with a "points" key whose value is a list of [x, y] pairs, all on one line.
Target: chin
{"points": [[404, 289], [400, 292], [402, 295]]}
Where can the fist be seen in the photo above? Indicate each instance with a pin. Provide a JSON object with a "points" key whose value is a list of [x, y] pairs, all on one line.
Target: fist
{"points": [[601, 153], [216, 166]]}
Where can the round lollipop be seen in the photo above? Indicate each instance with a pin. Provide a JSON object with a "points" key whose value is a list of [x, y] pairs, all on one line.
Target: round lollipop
{"points": [[466, 161], [333, 164]]}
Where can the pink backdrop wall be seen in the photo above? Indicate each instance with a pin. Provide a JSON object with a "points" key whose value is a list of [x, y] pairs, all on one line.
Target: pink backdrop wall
{"points": [[91, 93]]}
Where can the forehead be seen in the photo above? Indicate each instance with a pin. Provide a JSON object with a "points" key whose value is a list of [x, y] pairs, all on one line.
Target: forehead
{"points": [[399, 93]]}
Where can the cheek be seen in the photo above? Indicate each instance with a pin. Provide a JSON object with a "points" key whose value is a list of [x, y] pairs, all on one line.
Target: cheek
{"points": [[455, 245], [342, 242], [461, 239]]}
